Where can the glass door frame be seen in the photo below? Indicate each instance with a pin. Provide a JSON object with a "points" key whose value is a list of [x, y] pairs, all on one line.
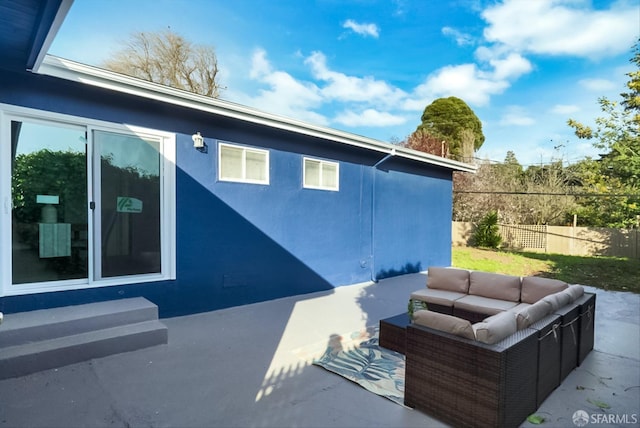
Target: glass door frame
{"points": [[97, 220], [10, 113]]}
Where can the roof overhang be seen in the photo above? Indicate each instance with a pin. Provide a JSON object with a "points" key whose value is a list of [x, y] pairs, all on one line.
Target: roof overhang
{"points": [[27, 29], [82, 73], [54, 13]]}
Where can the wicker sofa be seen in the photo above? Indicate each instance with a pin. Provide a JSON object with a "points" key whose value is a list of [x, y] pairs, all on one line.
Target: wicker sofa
{"points": [[490, 348]]}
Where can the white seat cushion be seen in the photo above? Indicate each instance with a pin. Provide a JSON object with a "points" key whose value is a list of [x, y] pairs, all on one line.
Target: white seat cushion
{"points": [[483, 305], [439, 297]]}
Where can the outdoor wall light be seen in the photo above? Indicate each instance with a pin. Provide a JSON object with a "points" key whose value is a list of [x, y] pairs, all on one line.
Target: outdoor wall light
{"points": [[198, 141]]}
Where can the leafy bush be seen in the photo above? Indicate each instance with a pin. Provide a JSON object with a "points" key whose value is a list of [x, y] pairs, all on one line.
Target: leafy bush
{"points": [[487, 233], [415, 305]]}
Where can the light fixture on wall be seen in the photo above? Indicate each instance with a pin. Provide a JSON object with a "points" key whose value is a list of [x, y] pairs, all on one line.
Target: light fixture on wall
{"points": [[198, 142]]}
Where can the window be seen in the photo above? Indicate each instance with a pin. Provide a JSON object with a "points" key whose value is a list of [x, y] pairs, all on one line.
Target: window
{"points": [[243, 164], [91, 203], [319, 174]]}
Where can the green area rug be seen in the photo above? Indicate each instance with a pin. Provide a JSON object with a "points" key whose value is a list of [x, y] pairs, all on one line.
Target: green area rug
{"points": [[371, 366]]}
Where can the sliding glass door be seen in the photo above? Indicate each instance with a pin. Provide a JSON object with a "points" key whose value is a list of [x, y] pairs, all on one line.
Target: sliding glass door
{"points": [[128, 216], [84, 204]]}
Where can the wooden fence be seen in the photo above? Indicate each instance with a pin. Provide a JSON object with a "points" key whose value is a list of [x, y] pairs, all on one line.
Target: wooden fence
{"points": [[575, 241]]}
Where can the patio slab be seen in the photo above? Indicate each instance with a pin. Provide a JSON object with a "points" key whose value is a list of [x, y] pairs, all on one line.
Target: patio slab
{"points": [[250, 366]]}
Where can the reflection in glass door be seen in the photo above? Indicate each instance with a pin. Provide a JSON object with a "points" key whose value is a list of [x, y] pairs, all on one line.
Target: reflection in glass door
{"points": [[128, 212], [49, 199]]}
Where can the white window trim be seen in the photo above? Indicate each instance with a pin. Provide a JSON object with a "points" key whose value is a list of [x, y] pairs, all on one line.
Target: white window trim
{"points": [[168, 190], [322, 164], [245, 150]]}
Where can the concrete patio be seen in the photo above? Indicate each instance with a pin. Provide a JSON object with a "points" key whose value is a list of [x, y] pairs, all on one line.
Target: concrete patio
{"points": [[250, 366]]}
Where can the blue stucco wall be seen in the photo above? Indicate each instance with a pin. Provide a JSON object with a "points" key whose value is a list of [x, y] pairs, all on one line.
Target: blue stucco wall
{"points": [[243, 243], [412, 220]]}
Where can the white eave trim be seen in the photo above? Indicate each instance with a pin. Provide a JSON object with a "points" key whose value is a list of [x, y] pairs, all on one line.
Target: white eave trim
{"points": [[70, 70]]}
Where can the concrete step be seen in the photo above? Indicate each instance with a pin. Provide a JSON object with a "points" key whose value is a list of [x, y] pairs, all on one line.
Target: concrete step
{"points": [[20, 360], [50, 338], [33, 326]]}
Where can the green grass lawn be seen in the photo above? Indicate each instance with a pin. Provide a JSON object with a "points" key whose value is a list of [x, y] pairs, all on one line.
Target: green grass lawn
{"points": [[609, 273]]}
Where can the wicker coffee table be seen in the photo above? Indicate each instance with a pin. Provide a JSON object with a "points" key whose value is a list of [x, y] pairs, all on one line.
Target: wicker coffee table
{"points": [[393, 332]]}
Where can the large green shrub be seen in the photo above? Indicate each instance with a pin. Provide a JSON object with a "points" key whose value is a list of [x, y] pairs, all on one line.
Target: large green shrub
{"points": [[487, 233]]}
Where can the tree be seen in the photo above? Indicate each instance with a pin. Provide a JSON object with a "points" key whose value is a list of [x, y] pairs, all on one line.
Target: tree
{"points": [[617, 133], [631, 100], [424, 142], [510, 169], [168, 59], [601, 210], [491, 188], [450, 119], [520, 196], [545, 184]]}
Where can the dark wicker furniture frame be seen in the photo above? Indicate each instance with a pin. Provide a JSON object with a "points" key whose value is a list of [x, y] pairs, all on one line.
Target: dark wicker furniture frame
{"points": [[587, 305], [549, 355], [467, 383], [570, 334], [393, 332], [472, 317]]}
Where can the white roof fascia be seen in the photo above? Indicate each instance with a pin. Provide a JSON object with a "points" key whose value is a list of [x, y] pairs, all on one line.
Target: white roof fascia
{"points": [[77, 72]]}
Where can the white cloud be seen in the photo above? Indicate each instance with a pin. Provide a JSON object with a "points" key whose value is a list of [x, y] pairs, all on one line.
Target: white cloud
{"points": [[371, 30], [369, 117], [285, 95], [564, 109], [350, 88], [366, 98], [473, 83], [461, 38], [260, 66], [511, 67], [597, 85], [465, 81], [562, 27], [516, 116], [400, 7]]}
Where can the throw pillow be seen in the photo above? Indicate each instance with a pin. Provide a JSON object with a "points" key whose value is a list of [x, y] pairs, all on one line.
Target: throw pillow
{"points": [[443, 322]]}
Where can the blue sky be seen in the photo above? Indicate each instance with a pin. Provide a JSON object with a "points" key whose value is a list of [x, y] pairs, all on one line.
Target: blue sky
{"points": [[371, 66]]}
